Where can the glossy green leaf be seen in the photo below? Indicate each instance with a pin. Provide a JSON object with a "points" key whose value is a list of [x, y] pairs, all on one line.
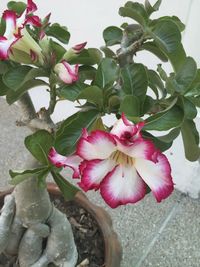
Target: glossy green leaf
{"points": [[166, 35], [20, 176], [71, 129], [59, 32], [155, 83], [39, 145], [18, 7], [14, 77], [68, 190], [57, 50], [135, 11], [189, 108], [92, 94], [108, 52], [165, 120], [163, 146], [171, 136], [13, 96], [4, 66], [177, 57], [86, 73], [134, 80], [154, 49], [130, 105], [150, 9], [107, 73], [90, 56], [70, 92], [186, 74], [3, 88], [190, 137], [112, 35]]}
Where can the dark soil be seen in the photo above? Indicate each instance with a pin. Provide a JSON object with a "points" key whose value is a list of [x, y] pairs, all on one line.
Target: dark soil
{"points": [[87, 235]]}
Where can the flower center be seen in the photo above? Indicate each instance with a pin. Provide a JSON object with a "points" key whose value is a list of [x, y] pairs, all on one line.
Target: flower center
{"points": [[121, 158]]}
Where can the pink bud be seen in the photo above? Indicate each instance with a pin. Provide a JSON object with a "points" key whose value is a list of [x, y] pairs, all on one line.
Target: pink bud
{"points": [[79, 47], [67, 73]]}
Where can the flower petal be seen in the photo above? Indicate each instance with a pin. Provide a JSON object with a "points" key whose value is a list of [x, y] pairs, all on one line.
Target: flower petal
{"points": [[126, 131], [93, 172], [62, 161], [122, 186], [140, 148], [5, 46], [157, 175], [31, 7], [98, 145], [10, 18]]}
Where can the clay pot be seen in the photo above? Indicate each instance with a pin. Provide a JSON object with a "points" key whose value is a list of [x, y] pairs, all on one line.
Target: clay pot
{"points": [[113, 250]]}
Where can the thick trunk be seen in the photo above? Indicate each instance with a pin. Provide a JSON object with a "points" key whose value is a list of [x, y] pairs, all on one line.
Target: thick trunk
{"points": [[28, 221]]}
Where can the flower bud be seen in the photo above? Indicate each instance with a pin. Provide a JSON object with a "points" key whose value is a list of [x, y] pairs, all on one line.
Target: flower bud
{"points": [[67, 73], [74, 51]]}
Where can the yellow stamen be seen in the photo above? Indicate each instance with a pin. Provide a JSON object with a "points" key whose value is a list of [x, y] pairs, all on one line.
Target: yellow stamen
{"points": [[121, 158]]}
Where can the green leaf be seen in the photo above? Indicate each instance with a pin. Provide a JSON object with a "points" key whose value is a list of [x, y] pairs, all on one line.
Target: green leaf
{"points": [[166, 35], [130, 105], [189, 108], [163, 146], [107, 51], [70, 92], [4, 66], [190, 137], [135, 11], [18, 7], [150, 9], [20, 176], [86, 73], [14, 77], [134, 80], [186, 74], [155, 83], [154, 49], [39, 145], [165, 120], [68, 190], [107, 72], [59, 32], [92, 94], [71, 129], [90, 56], [177, 57], [13, 96], [57, 49], [175, 20], [3, 88], [171, 136], [112, 35]]}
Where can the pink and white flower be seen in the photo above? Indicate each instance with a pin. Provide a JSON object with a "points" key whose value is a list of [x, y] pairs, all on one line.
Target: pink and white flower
{"points": [[16, 36], [121, 164], [59, 161], [67, 73]]}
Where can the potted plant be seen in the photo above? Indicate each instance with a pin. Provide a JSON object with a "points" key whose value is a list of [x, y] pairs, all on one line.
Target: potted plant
{"points": [[125, 161]]}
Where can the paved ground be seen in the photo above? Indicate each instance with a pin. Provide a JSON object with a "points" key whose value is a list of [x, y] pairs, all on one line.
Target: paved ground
{"points": [[165, 235]]}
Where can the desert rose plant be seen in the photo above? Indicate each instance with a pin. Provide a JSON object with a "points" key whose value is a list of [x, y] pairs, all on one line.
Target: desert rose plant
{"points": [[123, 162]]}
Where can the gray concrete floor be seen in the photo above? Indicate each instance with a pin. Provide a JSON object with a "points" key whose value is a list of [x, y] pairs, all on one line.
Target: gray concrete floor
{"points": [[165, 235]]}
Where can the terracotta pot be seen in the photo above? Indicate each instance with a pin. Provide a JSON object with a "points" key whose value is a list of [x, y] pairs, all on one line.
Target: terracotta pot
{"points": [[113, 250]]}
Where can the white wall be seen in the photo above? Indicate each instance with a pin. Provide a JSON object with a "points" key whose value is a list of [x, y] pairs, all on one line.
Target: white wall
{"points": [[86, 20]]}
